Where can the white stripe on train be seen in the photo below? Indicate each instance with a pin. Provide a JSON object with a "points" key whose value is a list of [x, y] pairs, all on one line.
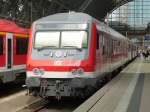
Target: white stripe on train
{"points": [[16, 67], [61, 75]]}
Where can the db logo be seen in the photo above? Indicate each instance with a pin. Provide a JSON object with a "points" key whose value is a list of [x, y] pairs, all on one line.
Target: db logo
{"points": [[58, 63]]}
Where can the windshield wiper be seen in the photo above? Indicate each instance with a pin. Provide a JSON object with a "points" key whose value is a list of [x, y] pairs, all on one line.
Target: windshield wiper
{"points": [[72, 47], [46, 47]]}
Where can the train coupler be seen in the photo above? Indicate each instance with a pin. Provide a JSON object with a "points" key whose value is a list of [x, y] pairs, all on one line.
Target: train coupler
{"points": [[43, 88], [58, 90]]}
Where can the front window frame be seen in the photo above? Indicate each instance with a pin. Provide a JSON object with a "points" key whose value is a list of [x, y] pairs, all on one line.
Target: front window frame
{"points": [[60, 38], [45, 31], [61, 46]]}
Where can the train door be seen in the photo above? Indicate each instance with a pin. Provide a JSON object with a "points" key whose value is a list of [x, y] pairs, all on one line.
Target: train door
{"points": [[110, 49], [9, 50], [109, 53], [2, 54]]}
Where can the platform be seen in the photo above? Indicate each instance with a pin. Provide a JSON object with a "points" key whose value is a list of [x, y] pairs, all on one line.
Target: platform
{"points": [[127, 92]]}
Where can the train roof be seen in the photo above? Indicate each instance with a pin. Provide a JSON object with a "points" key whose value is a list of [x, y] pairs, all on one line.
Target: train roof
{"points": [[10, 26], [104, 28], [66, 18], [78, 17]]}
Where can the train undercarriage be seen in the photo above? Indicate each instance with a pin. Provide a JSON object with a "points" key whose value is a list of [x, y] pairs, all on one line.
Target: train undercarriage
{"points": [[58, 88]]}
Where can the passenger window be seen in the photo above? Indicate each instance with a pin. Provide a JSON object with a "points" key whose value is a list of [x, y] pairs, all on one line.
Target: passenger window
{"points": [[103, 45], [1, 45], [21, 46], [97, 40], [103, 52]]}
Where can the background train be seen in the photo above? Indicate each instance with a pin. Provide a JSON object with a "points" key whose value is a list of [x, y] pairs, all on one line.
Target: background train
{"points": [[69, 53], [13, 51]]}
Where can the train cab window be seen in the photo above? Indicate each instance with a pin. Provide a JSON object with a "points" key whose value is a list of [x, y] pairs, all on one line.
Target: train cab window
{"points": [[1, 45], [78, 40], [21, 46], [97, 41], [47, 39]]}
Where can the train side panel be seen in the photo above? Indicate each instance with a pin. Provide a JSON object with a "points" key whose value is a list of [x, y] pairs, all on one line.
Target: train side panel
{"points": [[20, 52], [111, 52]]}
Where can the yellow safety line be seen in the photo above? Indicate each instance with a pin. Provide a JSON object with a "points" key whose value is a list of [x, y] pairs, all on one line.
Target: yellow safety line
{"points": [[16, 35], [2, 33], [20, 35]]}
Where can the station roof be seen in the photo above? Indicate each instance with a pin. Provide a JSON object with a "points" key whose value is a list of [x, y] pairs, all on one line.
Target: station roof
{"points": [[96, 8], [27, 11], [100, 8]]}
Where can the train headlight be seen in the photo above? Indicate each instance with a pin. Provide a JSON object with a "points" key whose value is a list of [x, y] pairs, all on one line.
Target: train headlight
{"points": [[42, 71], [37, 71], [74, 72], [80, 71]]}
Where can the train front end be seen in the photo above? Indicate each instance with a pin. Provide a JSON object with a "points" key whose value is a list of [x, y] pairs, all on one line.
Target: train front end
{"points": [[60, 61]]}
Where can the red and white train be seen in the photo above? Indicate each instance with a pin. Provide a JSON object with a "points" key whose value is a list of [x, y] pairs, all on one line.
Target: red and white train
{"points": [[13, 51], [69, 53]]}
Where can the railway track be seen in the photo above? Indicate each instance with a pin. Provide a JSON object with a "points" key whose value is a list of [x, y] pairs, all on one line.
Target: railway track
{"points": [[67, 105], [35, 106]]}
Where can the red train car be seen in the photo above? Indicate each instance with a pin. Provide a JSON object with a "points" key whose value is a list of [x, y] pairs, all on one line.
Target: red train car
{"points": [[70, 53], [13, 50]]}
